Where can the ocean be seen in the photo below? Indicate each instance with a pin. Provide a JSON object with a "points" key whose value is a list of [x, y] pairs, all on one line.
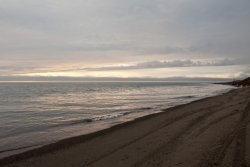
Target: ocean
{"points": [[33, 114]]}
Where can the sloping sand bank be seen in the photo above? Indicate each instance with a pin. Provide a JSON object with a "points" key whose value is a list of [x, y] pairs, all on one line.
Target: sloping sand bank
{"points": [[209, 132]]}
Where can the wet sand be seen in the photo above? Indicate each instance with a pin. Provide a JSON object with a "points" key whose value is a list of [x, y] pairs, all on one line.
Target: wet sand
{"points": [[210, 132]]}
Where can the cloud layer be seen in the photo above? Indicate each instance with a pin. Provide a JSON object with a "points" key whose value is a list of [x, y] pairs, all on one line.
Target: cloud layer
{"points": [[163, 64], [49, 35]]}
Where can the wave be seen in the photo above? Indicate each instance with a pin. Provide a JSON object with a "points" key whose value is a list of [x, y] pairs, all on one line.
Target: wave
{"points": [[108, 116], [20, 148], [87, 120], [184, 97]]}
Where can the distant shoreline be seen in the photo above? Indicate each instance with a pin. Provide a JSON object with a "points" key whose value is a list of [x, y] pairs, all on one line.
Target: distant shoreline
{"points": [[239, 83], [109, 79]]}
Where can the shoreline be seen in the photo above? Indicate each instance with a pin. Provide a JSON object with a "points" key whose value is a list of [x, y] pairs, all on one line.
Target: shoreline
{"points": [[106, 121], [70, 143]]}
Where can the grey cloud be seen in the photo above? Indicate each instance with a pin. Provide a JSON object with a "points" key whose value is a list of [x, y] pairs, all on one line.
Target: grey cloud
{"points": [[62, 30], [14, 69], [144, 65], [163, 64]]}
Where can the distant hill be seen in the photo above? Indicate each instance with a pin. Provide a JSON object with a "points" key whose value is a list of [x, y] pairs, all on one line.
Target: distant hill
{"points": [[244, 83]]}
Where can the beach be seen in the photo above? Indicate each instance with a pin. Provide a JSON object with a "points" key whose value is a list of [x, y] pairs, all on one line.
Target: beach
{"points": [[214, 131]]}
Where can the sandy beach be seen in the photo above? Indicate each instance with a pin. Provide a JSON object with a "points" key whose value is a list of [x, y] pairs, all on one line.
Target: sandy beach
{"points": [[210, 132]]}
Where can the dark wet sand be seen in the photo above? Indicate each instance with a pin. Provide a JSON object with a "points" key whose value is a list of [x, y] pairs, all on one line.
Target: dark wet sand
{"points": [[211, 132]]}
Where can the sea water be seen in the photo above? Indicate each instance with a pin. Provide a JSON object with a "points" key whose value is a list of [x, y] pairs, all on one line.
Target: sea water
{"points": [[38, 113]]}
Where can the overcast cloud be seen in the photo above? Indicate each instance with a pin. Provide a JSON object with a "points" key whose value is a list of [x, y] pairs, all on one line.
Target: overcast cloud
{"points": [[163, 64], [109, 35]]}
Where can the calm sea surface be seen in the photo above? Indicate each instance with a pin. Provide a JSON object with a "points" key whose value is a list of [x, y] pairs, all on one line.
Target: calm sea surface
{"points": [[35, 114]]}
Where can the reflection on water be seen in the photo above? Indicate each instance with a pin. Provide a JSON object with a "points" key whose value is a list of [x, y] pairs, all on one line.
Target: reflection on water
{"points": [[34, 114]]}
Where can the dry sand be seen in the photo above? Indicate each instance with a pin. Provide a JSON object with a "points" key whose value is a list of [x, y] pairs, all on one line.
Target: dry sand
{"points": [[210, 132]]}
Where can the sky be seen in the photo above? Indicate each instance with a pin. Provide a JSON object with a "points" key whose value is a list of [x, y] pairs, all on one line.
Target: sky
{"points": [[125, 38]]}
